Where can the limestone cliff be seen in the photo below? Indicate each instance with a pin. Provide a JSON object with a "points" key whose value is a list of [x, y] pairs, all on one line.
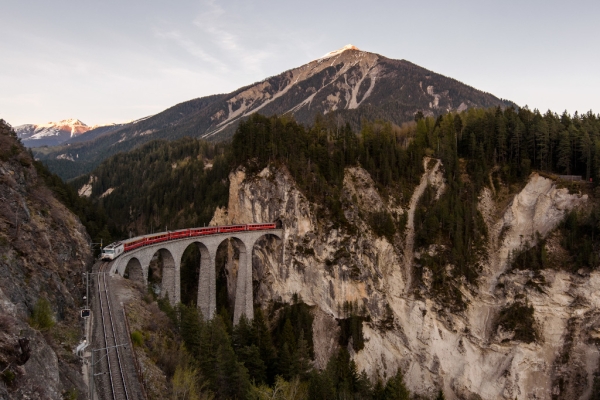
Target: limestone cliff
{"points": [[459, 352], [44, 250]]}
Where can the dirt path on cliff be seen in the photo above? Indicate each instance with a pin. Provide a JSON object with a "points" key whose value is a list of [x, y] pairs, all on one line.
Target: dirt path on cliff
{"points": [[410, 223]]}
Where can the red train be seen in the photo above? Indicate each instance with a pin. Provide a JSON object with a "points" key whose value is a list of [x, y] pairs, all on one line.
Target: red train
{"points": [[114, 250]]}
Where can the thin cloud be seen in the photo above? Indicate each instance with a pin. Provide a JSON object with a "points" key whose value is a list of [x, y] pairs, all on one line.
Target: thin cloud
{"points": [[227, 33], [191, 47]]}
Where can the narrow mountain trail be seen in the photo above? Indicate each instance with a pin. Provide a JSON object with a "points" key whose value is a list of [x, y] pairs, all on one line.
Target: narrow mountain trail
{"points": [[409, 243]]}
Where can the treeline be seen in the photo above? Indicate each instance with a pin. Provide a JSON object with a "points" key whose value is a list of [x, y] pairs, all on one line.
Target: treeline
{"points": [[489, 148], [479, 147], [317, 156], [522, 140], [452, 222], [579, 233], [170, 184], [255, 361]]}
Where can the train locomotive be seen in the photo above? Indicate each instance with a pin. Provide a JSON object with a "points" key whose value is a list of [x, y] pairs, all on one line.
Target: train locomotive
{"points": [[114, 250]]}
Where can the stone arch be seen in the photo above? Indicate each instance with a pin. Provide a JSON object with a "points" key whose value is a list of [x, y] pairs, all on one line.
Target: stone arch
{"points": [[201, 275], [134, 270], [267, 254], [242, 279], [168, 275]]}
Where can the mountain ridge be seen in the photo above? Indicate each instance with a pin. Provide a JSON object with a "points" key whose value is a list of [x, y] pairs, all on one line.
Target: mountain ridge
{"points": [[51, 133], [346, 80]]}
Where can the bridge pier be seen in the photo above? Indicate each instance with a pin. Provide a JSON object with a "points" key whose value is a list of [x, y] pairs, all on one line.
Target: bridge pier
{"points": [[244, 300], [207, 283]]}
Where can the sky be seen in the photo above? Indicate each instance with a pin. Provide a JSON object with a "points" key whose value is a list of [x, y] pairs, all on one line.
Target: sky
{"points": [[117, 61]]}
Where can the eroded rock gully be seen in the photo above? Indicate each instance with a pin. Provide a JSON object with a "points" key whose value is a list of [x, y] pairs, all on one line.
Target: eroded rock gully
{"points": [[458, 353]]}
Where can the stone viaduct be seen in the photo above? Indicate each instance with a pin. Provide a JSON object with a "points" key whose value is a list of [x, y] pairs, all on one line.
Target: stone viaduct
{"points": [[137, 261]]}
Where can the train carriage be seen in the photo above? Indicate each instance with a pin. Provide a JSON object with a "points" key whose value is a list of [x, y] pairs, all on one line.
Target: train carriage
{"points": [[114, 250]]}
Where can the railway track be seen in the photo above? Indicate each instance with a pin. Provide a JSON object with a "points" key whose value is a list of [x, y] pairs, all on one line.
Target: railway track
{"points": [[113, 351]]}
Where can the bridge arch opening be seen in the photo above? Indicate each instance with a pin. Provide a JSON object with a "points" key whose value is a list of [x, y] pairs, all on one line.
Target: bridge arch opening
{"points": [[194, 259], [134, 271], [266, 256], [229, 260], [161, 275]]}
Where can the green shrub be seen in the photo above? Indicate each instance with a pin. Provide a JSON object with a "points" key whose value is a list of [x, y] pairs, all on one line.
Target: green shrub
{"points": [[518, 317], [531, 257], [24, 162], [382, 224], [137, 338], [351, 327], [8, 377], [42, 317], [71, 394]]}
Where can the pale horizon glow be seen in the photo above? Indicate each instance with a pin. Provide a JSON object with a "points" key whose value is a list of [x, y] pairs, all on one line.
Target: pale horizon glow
{"points": [[111, 62]]}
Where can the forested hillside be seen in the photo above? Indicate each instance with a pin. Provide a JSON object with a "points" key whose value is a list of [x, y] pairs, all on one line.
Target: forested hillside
{"points": [[352, 85], [161, 185], [180, 184]]}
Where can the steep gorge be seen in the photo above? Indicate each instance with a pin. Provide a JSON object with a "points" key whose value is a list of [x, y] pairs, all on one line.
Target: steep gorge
{"points": [[461, 352], [44, 249]]}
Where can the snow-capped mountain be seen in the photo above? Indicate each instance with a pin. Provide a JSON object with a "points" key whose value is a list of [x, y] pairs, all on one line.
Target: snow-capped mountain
{"points": [[348, 82], [51, 133], [340, 51]]}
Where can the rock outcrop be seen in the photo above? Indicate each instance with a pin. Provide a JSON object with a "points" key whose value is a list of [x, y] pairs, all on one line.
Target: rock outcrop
{"points": [[460, 353], [44, 250]]}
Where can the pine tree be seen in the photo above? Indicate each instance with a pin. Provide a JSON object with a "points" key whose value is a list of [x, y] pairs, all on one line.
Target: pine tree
{"points": [[286, 362], [231, 377], [564, 153], [302, 357], [264, 342], [395, 388], [320, 386], [585, 149], [191, 328], [542, 139], [501, 136], [242, 334], [287, 336], [379, 390], [250, 357]]}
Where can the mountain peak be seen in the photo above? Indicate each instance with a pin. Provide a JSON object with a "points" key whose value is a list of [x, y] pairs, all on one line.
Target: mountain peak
{"points": [[51, 133], [64, 122], [340, 51]]}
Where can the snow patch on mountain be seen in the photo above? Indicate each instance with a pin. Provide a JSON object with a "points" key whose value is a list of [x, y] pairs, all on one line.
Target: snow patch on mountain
{"points": [[50, 133], [340, 51], [354, 69]]}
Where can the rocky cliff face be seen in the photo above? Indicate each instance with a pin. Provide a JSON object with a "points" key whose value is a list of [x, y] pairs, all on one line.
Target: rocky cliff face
{"points": [[461, 353], [44, 250]]}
